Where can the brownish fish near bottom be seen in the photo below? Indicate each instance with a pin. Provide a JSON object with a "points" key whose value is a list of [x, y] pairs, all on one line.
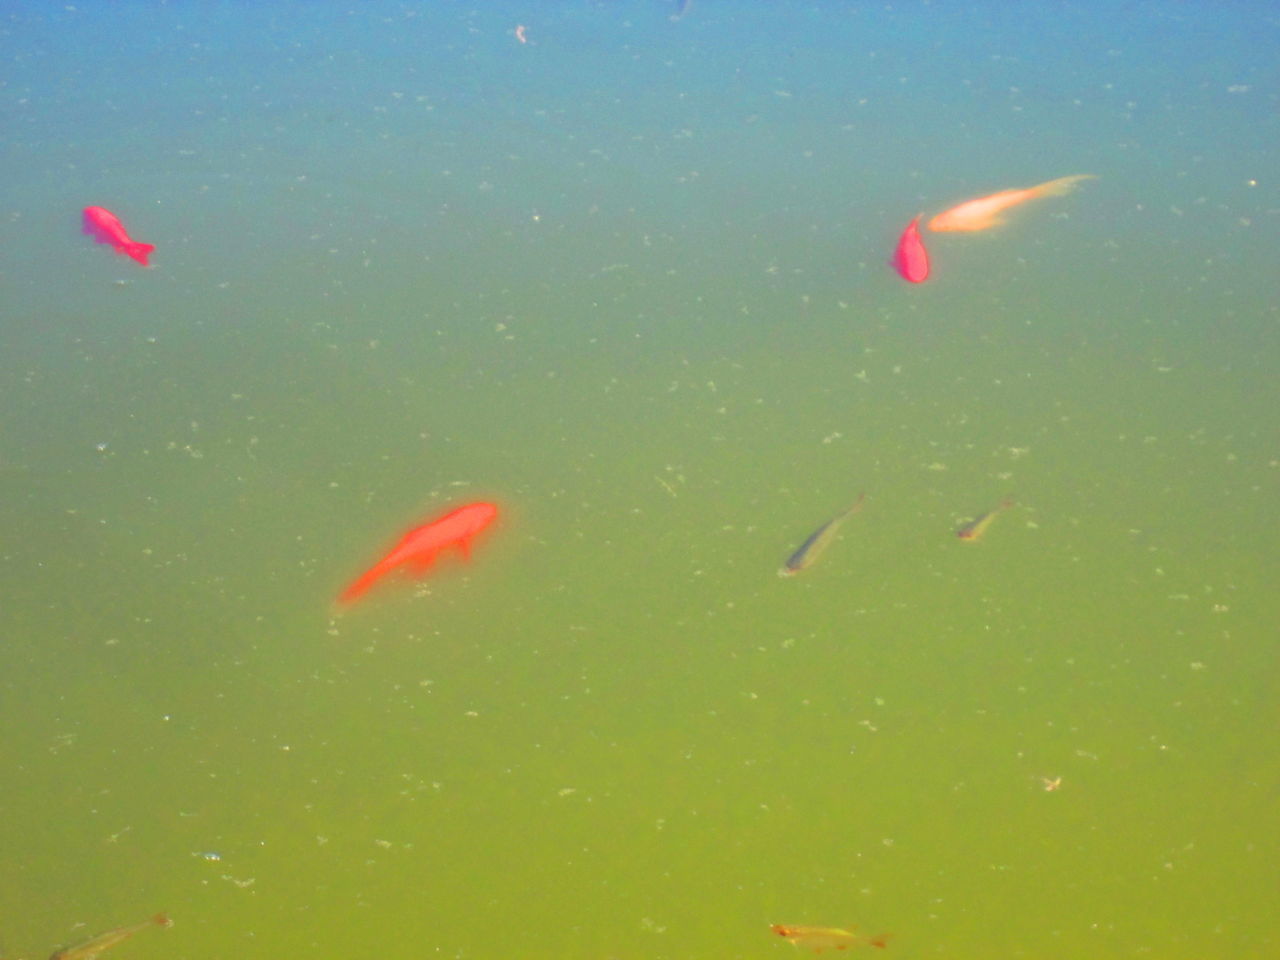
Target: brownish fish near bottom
{"points": [[95, 945]]}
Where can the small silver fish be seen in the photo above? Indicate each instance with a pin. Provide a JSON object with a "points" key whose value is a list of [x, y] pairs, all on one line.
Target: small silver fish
{"points": [[818, 541]]}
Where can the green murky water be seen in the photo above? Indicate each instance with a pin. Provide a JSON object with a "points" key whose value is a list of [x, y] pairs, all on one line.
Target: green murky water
{"points": [[628, 281]]}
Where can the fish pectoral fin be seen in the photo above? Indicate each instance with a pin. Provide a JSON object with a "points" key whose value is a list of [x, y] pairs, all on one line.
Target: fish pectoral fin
{"points": [[421, 566]]}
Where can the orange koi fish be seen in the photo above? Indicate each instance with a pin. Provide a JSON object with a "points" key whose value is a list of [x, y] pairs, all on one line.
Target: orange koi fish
{"points": [[984, 213], [974, 529], [818, 939], [419, 547], [95, 945]]}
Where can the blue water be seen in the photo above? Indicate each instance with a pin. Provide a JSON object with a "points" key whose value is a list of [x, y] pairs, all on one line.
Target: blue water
{"points": [[629, 280]]}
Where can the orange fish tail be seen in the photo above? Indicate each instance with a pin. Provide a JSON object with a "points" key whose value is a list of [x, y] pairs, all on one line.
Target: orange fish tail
{"points": [[1061, 186], [162, 920], [360, 586]]}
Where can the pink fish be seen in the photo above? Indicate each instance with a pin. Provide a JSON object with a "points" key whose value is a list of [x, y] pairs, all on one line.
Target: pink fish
{"points": [[911, 259], [105, 227]]}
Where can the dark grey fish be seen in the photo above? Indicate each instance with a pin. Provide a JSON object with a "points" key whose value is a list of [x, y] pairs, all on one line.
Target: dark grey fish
{"points": [[818, 541]]}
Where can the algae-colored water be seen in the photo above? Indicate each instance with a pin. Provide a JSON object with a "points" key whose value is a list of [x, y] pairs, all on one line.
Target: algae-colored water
{"points": [[629, 281]]}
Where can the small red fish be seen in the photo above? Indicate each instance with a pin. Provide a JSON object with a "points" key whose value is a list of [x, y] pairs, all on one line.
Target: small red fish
{"points": [[105, 227], [911, 259], [419, 547]]}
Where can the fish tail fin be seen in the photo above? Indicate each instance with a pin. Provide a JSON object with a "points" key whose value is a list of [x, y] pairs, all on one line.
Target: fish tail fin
{"points": [[1061, 186], [139, 251], [356, 590], [360, 586], [162, 920]]}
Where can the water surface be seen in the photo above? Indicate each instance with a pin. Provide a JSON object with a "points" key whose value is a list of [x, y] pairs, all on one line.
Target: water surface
{"points": [[630, 281]]}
